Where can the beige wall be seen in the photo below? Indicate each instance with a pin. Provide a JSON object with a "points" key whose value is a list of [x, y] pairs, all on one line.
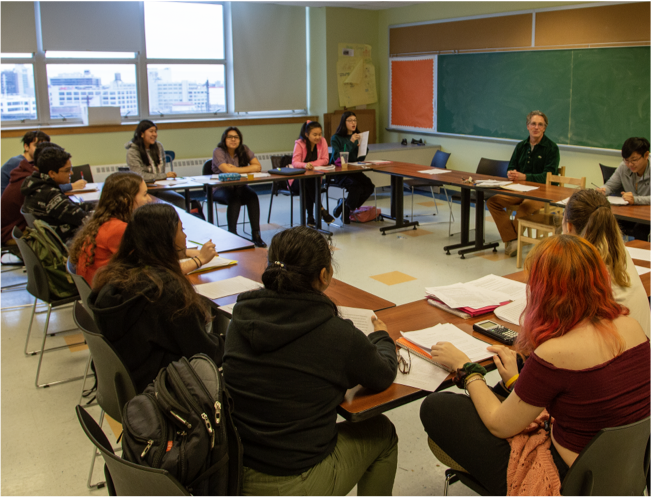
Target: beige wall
{"points": [[329, 27], [466, 152]]}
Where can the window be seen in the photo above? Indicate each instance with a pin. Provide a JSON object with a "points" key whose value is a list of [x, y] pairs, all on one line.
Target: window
{"points": [[17, 99]]}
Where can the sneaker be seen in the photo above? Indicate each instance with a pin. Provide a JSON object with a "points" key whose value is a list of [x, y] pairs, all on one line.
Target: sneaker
{"points": [[325, 215], [311, 222], [511, 248]]}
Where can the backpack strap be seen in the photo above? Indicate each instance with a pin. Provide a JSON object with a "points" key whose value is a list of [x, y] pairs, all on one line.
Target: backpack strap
{"points": [[209, 472]]}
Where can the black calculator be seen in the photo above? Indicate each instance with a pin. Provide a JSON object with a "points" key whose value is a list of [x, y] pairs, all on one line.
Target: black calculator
{"points": [[496, 331]]}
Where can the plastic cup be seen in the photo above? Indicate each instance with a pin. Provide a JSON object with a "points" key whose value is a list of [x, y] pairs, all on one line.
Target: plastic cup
{"points": [[250, 176], [344, 159]]}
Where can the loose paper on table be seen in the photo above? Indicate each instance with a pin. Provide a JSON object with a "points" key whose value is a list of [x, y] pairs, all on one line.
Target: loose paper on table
{"points": [[228, 308], [514, 289], [642, 270], [616, 200], [214, 263], [171, 182], [90, 187], [467, 295], [434, 170], [361, 318], [88, 197], [224, 288], [639, 254], [520, 188], [422, 375], [512, 312]]}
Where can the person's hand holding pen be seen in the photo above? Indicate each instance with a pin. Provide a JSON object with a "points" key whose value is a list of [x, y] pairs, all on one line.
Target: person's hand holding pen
{"points": [[207, 252], [600, 189], [79, 184]]}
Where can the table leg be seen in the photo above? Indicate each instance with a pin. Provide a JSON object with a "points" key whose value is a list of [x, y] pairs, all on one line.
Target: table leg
{"points": [[397, 207], [187, 200], [479, 228], [301, 193], [210, 203]]}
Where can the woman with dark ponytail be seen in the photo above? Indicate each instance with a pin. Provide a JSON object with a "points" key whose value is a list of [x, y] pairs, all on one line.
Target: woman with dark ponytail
{"points": [[289, 359], [588, 214]]}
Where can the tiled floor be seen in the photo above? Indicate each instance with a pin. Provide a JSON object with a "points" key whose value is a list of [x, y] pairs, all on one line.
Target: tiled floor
{"points": [[44, 450]]}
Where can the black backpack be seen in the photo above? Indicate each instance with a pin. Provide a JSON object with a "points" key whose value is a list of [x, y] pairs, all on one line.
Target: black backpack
{"points": [[182, 423]]}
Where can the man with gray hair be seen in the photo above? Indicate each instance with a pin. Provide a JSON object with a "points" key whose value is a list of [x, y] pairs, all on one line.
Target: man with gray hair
{"points": [[532, 159]]}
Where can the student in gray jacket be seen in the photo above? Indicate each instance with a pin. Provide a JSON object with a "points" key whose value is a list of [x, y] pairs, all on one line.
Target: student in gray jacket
{"points": [[631, 181], [146, 157]]}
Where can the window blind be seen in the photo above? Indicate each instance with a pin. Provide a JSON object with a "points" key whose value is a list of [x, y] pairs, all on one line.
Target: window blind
{"points": [[269, 57], [91, 26], [18, 27]]}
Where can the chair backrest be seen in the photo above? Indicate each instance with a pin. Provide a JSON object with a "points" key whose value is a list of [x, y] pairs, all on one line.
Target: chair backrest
{"points": [[280, 161], [77, 172], [37, 282], [564, 180], [115, 386], [169, 158], [607, 172], [82, 286], [440, 159], [615, 462], [493, 167], [206, 169], [29, 217], [128, 478]]}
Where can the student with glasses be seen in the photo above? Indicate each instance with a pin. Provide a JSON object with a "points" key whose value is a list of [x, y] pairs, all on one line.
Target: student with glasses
{"points": [[631, 181], [358, 186], [232, 156], [289, 359], [43, 197]]}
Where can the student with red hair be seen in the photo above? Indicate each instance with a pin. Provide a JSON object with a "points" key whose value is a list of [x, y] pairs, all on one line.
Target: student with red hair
{"points": [[588, 365]]}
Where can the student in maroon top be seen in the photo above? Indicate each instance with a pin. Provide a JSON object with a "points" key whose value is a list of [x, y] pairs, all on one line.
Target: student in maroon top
{"points": [[588, 365]]}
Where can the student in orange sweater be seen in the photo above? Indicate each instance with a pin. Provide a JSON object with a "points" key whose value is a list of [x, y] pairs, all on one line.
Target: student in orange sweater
{"points": [[97, 241]]}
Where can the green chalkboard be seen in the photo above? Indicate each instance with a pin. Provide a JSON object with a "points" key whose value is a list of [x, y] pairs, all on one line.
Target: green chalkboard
{"points": [[592, 97]]}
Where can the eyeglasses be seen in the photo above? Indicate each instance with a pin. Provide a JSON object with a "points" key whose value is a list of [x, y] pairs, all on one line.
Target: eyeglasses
{"points": [[404, 365], [351, 120], [537, 125], [232, 137], [633, 161]]}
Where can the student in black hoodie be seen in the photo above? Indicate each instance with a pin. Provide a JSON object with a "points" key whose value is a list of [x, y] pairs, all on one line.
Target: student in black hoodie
{"points": [[144, 305], [288, 361]]}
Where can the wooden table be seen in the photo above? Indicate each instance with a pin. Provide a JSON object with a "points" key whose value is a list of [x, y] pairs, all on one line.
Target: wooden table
{"points": [[360, 404]]}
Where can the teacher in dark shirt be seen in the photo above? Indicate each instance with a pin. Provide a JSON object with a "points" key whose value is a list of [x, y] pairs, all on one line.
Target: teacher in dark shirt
{"points": [[532, 159]]}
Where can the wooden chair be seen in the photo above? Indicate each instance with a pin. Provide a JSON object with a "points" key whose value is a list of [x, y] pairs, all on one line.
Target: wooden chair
{"points": [[547, 221], [512, 209]]}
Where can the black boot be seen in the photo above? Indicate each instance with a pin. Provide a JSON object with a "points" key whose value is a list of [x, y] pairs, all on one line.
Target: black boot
{"points": [[258, 241], [340, 205]]}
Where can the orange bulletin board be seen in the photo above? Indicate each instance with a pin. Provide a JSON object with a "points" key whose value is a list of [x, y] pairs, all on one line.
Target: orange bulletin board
{"points": [[412, 93]]}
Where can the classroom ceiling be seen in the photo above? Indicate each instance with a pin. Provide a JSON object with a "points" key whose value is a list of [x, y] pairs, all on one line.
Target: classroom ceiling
{"points": [[352, 5]]}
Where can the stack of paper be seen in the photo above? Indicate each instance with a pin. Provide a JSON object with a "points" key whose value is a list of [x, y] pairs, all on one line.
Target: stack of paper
{"points": [[361, 318], [491, 183], [261, 175], [428, 376], [325, 168], [479, 296], [89, 197], [214, 263], [520, 188], [511, 313], [616, 200], [171, 182], [224, 288], [435, 170], [363, 144], [379, 161]]}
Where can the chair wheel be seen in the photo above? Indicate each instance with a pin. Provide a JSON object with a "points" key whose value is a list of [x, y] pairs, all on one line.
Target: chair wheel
{"points": [[494, 249], [463, 256], [384, 233], [447, 252]]}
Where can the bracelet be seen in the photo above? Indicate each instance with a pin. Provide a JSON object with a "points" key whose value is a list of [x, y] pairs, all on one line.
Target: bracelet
{"points": [[474, 378], [467, 369], [510, 383], [197, 261], [470, 377]]}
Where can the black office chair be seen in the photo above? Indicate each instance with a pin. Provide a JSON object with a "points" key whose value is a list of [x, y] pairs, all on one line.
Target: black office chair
{"points": [[38, 287], [607, 172], [281, 187], [489, 167], [124, 477], [615, 462], [115, 387], [78, 171], [439, 160]]}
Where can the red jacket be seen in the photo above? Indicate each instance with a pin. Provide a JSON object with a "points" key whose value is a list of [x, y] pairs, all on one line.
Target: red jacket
{"points": [[12, 200]]}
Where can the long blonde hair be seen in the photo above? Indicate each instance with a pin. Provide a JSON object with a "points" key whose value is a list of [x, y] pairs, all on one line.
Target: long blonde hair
{"points": [[590, 213]]}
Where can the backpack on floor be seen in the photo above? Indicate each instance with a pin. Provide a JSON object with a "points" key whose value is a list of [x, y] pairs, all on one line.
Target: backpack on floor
{"points": [[365, 214], [53, 254], [182, 423], [196, 210]]}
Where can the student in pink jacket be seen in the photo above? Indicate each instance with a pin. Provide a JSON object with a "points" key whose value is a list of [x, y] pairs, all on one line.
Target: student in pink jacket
{"points": [[310, 150]]}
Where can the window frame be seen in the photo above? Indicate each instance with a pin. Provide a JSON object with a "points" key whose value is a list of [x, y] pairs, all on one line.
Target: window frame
{"points": [[39, 64]]}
